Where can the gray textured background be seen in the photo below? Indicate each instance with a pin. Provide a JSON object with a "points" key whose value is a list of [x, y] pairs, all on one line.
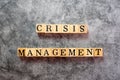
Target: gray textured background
{"points": [[17, 29]]}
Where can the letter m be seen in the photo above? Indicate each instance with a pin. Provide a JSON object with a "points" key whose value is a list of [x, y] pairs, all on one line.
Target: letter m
{"points": [[21, 52]]}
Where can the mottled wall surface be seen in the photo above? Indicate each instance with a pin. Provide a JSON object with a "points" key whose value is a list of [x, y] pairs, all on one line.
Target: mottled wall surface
{"points": [[17, 29]]}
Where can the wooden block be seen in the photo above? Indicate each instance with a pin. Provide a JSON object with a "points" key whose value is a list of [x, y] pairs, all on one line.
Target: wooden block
{"points": [[89, 52], [47, 52], [82, 28], [63, 52], [73, 28], [59, 28], [55, 52], [98, 52], [49, 28], [40, 28], [65, 28], [72, 52], [86, 28], [38, 52], [80, 52], [21, 52], [30, 52]]}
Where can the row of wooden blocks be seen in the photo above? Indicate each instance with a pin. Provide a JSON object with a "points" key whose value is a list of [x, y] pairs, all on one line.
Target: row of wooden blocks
{"points": [[60, 52], [61, 28]]}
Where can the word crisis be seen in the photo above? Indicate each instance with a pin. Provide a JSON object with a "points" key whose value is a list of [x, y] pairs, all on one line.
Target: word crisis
{"points": [[61, 28]]}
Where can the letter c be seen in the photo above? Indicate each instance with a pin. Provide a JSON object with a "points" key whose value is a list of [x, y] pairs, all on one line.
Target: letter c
{"points": [[38, 26]]}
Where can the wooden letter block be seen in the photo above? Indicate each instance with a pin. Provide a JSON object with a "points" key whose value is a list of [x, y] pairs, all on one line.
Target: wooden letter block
{"points": [[98, 52], [21, 52], [40, 28]]}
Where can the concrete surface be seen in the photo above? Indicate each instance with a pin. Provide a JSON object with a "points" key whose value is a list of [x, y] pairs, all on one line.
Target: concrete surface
{"points": [[17, 29]]}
